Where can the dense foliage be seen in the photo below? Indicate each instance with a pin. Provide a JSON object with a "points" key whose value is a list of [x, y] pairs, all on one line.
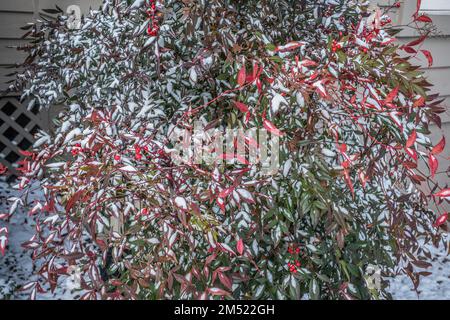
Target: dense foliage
{"points": [[326, 77]]}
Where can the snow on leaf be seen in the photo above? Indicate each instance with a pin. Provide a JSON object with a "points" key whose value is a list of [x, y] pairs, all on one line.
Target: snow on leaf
{"points": [[193, 75], [290, 46], [246, 195], [42, 140], [320, 88], [128, 168], [137, 4], [271, 128], [277, 100], [72, 134], [52, 219], [56, 165], [445, 193], [412, 153], [218, 292], [3, 240], [412, 139], [181, 203], [15, 204]]}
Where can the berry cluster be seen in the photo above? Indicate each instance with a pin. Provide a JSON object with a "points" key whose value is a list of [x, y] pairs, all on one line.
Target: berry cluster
{"points": [[76, 149], [153, 27], [386, 21], [294, 264], [336, 46], [138, 151]]}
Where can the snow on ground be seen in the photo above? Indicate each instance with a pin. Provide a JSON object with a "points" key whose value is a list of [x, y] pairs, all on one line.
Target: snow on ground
{"points": [[433, 287], [16, 267]]}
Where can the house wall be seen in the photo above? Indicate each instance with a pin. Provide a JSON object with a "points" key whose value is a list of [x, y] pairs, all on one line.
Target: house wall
{"points": [[438, 74], [17, 124], [15, 14]]}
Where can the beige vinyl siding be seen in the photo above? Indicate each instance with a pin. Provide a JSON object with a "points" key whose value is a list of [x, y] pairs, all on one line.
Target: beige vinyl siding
{"points": [[17, 124], [15, 14], [439, 74]]}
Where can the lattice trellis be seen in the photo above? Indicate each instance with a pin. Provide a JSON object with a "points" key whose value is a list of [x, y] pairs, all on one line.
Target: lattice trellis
{"points": [[17, 128]]}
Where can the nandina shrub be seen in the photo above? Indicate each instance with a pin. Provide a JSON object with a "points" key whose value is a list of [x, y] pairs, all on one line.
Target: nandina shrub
{"points": [[327, 78]]}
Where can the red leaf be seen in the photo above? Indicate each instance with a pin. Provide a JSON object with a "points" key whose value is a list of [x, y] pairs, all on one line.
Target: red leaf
{"points": [[419, 102], [429, 57], [225, 280], [410, 164], [307, 63], [439, 147], [417, 41], [77, 195], [417, 178], [240, 246], [271, 128], [412, 153], [424, 18], [434, 164], [445, 193], [225, 192], [255, 71], [289, 47], [242, 74], [241, 106], [349, 182], [3, 169], [419, 3], [363, 178], [409, 49], [441, 220], [412, 139], [390, 97], [26, 153]]}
